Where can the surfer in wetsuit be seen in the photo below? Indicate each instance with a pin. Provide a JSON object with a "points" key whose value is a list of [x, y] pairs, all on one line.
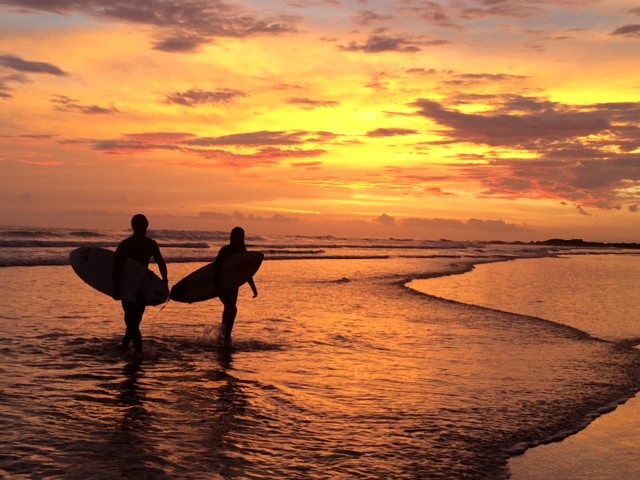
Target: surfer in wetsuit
{"points": [[229, 297], [141, 249]]}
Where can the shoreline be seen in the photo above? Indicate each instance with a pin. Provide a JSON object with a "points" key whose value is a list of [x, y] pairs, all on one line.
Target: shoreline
{"points": [[607, 448]]}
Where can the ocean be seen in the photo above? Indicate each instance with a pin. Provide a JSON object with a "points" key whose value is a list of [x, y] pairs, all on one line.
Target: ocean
{"points": [[360, 358]]}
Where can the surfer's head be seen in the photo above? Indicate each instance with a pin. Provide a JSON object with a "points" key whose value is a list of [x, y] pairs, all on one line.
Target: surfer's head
{"points": [[237, 236], [139, 223]]}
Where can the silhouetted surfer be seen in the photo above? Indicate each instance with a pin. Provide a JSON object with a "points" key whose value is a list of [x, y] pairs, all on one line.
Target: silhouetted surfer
{"points": [[139, 248], [229, 297]]}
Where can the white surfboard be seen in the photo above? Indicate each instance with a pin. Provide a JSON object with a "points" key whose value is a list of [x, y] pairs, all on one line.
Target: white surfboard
{"points": [[198, 286], [95, 266]]}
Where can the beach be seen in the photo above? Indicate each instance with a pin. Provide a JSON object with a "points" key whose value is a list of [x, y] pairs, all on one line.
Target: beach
{"points": [[607, 449], [344, 366]]}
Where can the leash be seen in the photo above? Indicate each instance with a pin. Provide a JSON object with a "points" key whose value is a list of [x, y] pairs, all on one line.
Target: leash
{"points": [[153, 320]]}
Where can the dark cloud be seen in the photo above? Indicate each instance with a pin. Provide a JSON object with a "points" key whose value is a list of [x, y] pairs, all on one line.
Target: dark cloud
{"points": [[582, 211], [390, 132], [628, 31], [500, 8], [308, 165], [513, 129], [385, 219], [474, 79], [385, 43], [593, 183], [143, 142], [624, 111], [264, 148], [493, 226], [265, 138], [434, 223], [215, 216], [471, 225], [14, 77], [435, 14], [452, 14], [315, 3], [16, 63], [118, 147], [194, 98], [421, 71], [582, 154], [161, 137], [182, 26], [277, 218], [412, 176], [241, 217], [181, 44], [540, 127], [38, 136], [309, 104], [66, 104], [368, 17], [438, 192], [261, 157]]}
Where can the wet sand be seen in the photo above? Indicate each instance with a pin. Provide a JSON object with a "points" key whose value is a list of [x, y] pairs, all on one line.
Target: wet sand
{"points": [[607, 449]]}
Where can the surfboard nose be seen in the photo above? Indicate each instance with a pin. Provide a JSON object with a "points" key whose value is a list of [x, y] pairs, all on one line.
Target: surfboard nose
{"points": [[179, 292]]}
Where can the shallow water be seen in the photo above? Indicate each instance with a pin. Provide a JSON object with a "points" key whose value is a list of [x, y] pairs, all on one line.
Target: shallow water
{"points": [[336, 371], [593, 293]]}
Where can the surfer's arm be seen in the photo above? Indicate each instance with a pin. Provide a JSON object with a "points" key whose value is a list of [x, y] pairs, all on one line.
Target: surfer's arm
{"points": [[162, 266]]}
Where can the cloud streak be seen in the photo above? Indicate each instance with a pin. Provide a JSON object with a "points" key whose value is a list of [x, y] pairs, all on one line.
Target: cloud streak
{"points": [[66, 104], [195, 97], [243, 150], [390, 132], [387, 43], [311, 104], [18, 64], [628, 31]]}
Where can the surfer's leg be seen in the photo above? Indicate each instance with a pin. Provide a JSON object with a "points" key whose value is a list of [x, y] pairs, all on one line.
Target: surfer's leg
{"points": [[137, 340], [230, 311], [228, 318], [127, 335], [125, 341], [132, 317]]}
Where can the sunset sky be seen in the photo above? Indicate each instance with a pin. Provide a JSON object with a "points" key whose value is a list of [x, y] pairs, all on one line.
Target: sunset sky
{"points": [[459, 119]]}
